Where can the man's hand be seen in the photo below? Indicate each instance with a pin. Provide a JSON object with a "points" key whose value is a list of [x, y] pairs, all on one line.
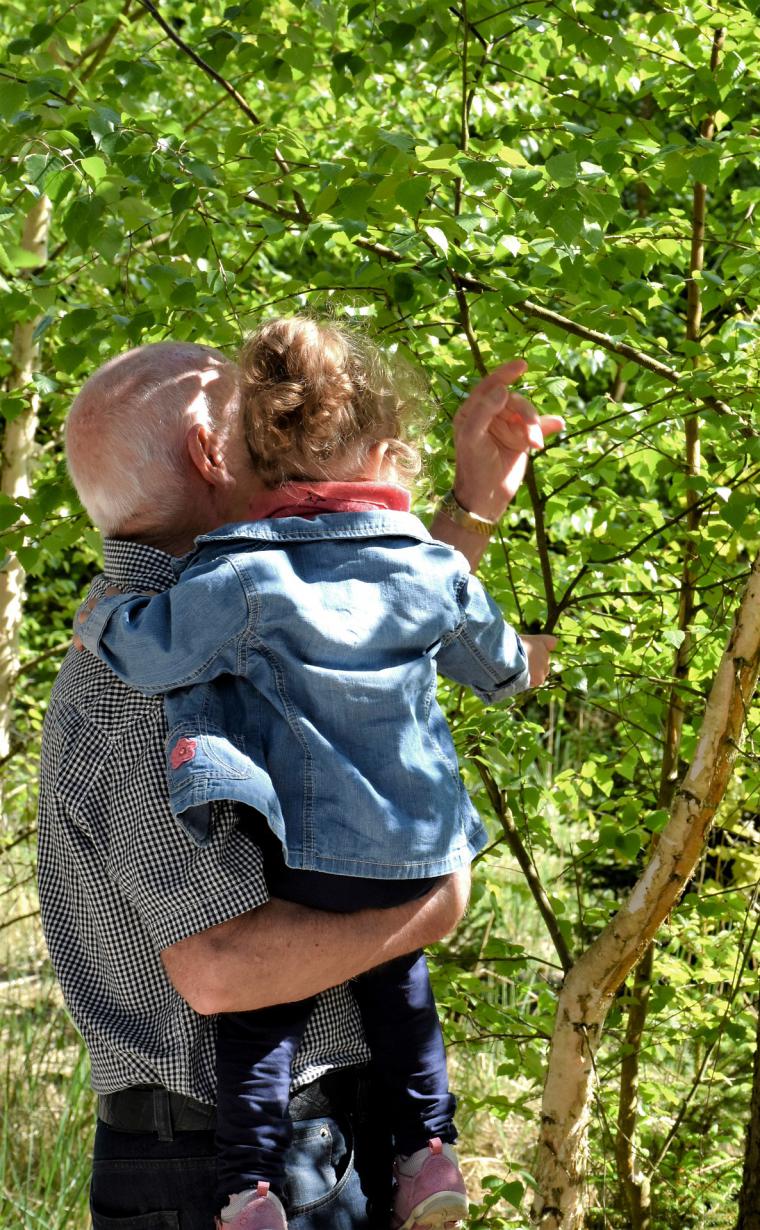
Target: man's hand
{"points": [[538, 650], [494, 431]]}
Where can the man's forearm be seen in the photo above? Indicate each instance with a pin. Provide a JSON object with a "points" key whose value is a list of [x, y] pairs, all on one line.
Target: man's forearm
{"points": [[472, 545], [282, 952]]}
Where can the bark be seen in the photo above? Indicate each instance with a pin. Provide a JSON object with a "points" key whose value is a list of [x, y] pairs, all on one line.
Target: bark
{"points": [[593, 981], [16, 465], [633, 1181]]}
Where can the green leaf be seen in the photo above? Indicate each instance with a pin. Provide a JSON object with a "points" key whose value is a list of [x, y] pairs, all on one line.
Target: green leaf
{"points": [[479, 174], [12, 98], [413, 194], [438, 237], [736, 509], [513, 1193], [562, 169], [9, 509], [94, 167], [403, 287]]}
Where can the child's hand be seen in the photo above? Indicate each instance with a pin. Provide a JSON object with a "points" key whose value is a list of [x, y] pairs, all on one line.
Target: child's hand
{"points": [[538, 650], [86, 609]]}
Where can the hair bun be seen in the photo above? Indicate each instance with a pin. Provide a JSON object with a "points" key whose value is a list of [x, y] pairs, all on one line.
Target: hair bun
{"points": [[312, 391]]}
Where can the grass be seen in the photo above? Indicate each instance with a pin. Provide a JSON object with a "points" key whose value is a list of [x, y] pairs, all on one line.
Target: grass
{"points": [[46, 1106], [47, 1112]]}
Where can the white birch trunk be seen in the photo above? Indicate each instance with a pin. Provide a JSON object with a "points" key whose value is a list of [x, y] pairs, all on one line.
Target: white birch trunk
{"points": [[16, 464], [592, 982]]}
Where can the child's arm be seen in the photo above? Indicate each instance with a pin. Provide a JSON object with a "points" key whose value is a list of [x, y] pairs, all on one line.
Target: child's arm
{"points": [[188, 634], [485, 652]]}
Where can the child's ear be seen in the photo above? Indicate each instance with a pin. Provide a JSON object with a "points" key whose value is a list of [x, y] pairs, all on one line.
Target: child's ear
{"points": [[379, 464]]}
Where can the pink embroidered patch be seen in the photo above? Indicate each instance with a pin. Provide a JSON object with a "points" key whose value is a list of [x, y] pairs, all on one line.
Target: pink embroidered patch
{"points": [[183, 750]]}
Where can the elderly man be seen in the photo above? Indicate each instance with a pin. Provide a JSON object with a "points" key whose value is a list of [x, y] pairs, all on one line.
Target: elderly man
{"points": [[149, 934]]}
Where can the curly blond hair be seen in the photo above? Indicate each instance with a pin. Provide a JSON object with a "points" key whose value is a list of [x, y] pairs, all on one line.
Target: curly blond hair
{"points": [[316, 396]]}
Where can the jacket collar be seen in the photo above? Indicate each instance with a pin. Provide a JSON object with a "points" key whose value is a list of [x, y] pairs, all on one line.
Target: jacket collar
{"points": [[383, 524]]}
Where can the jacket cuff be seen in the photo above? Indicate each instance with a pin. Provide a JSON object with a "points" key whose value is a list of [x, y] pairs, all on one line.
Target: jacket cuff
{"points": [[91, 631]]}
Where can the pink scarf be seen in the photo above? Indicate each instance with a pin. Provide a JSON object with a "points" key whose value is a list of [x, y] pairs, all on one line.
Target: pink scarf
{"points": [[312, 499]]}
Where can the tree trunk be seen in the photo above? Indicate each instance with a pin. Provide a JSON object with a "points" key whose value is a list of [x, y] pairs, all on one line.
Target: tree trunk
{"points": [[595, 978], [17, 456], [633, 1181], [749, 1197]]}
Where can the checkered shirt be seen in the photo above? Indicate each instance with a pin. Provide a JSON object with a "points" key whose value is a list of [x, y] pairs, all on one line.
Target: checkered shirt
{"points": [[119, 880]]}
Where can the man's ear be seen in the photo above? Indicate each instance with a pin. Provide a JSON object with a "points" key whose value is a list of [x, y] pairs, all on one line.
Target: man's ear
{"points": [[205, 454]]}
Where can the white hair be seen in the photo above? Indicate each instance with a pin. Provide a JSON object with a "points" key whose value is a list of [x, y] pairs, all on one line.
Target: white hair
{"points": [[126, 430]]}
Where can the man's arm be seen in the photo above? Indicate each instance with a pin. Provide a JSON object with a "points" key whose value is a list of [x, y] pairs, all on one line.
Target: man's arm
{"points": [[494, 431], [283, 952]]}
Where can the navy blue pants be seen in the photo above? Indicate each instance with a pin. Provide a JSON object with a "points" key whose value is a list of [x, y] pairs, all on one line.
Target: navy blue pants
{"points": [[255, 1050]]}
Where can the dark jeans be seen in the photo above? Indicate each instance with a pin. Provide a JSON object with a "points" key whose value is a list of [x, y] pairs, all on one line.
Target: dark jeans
{"points": [[333, 1164], [255, 1050]]}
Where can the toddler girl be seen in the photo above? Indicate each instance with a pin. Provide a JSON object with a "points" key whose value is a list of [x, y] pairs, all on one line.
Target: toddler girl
{"points": [[299, 653]]}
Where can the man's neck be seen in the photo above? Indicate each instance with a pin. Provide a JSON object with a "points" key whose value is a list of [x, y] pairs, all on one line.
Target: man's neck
{"points": [[178, 543]]}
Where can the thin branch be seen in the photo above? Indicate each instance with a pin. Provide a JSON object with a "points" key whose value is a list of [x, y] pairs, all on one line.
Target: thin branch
{"points": [[187, 50], [19, 918], [527, 866], [227, 86], [278, 211], [100, 48], [466, 323], [33, 663], [542, 545], [558, 321]]}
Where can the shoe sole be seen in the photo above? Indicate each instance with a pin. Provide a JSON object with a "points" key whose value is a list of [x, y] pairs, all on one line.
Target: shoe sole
{"points": [[440, 1210]]}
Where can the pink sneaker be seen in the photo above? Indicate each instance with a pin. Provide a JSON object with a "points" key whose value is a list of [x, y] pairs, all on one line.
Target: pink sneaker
{"points": [[257, 1209], [434, 1197]]}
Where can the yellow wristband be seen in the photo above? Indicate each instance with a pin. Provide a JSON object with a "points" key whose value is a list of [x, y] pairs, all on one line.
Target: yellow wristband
{"points": [[451, 508]]}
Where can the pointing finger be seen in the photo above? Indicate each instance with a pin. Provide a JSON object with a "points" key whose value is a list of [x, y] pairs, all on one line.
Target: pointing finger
{"points": [[551, 423]]}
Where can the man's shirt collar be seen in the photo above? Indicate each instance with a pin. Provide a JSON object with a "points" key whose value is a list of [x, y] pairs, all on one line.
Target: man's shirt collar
{"points": [[134, 565]]}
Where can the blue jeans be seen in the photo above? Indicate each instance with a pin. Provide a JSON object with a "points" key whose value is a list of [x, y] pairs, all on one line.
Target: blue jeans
{"points": [[255, 1050], [142, 1183]]}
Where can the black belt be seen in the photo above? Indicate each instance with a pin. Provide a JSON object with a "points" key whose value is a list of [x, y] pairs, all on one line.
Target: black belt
{"points": [[151, 1108]]}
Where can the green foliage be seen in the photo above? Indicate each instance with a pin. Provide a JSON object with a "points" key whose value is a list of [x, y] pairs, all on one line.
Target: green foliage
{"points": [[348, 183]]}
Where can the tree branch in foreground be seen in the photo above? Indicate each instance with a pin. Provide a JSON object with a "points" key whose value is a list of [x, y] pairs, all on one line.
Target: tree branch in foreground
{"points": [[524, 860], [228, 87], [593, 981]]}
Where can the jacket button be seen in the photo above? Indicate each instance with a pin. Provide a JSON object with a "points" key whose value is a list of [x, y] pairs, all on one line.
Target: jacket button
{"points": [[183, 750]]}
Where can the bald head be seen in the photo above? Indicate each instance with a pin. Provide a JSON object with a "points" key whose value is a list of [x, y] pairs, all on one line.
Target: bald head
{"points": [[127, 432]]}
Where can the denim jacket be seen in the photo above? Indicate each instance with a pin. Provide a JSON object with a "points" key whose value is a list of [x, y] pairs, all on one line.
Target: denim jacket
{"points": [[299, 658]]}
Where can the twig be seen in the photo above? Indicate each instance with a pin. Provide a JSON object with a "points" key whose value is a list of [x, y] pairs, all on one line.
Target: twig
{"points": [[27, 667], [18, 918], [542, 545], [202, 64], [228, 87], [527, 866], [556, 319]]}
